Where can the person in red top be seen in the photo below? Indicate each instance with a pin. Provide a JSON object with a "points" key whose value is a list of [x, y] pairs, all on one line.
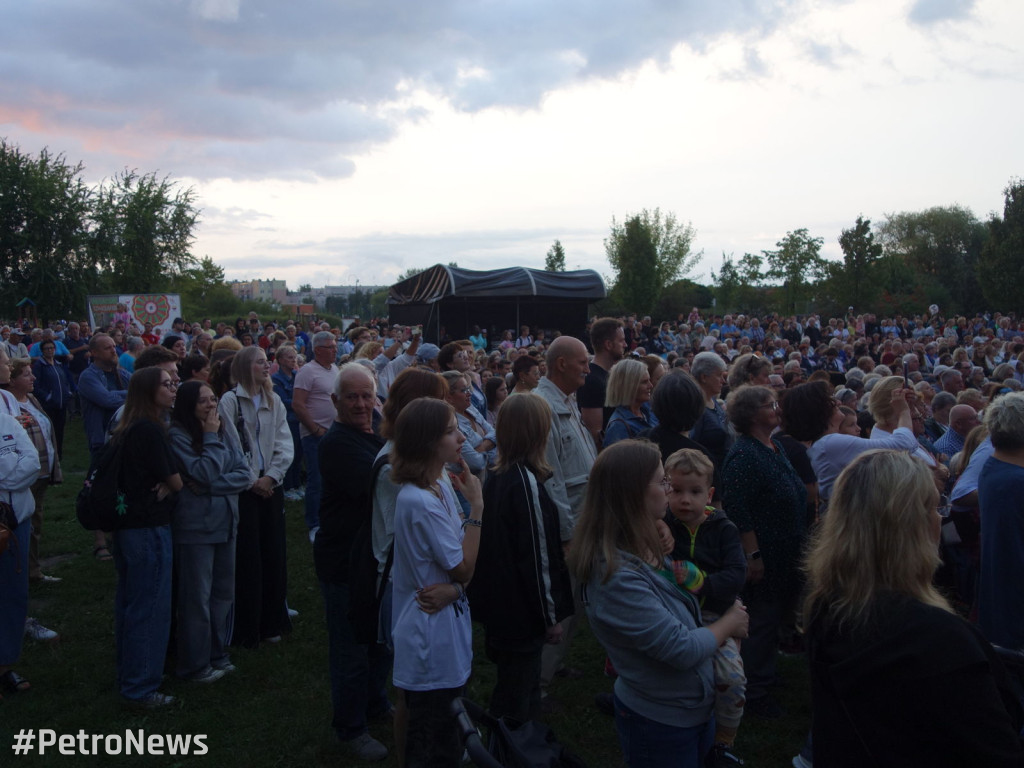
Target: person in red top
{"points": [[149, 336], [266, 340]]}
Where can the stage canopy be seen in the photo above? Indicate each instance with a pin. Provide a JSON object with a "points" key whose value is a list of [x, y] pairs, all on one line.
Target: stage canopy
{"points": [[455, 300]]}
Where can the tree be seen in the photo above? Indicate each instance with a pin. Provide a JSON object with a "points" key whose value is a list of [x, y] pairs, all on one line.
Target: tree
{"points": [[1001, 264], [636, 259], [305, 288], [203, 290], [860, 260], [943, 243], [44, 216], [555, 260], [142, 235], [798, 264], [677, 299], [739, 283], [663, 258]]}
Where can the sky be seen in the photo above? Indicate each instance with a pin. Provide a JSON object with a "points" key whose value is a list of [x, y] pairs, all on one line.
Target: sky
{"points": [[341, 141]]}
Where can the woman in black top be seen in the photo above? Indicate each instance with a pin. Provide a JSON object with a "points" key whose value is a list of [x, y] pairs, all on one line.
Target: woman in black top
{"points": [[142, 541], [897, 678]]}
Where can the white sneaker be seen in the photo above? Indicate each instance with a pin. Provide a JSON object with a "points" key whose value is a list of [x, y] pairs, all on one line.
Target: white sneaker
{"points": [[312, 533], [208, 675], [802, 762], [37, 631], [292, 613], [367, 747]]}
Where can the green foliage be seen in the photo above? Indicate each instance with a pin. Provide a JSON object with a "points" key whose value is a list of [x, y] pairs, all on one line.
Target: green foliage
{"points": [[648, 252], [379, 303], [798, 265], [142, 234], [943, 243], [636, 260], [1001, 264], [44, 215], [860, 259], [738, 284], [203, 291], [677, 299], [555, 259]]}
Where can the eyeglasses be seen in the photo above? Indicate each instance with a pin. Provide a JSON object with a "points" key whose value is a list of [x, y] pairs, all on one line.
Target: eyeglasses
{"points": [[774, 405], [169, 384], [666, 484], [943, 507]]}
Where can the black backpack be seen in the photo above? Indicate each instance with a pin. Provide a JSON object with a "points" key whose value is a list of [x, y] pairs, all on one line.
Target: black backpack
{"points": [[102, 502]]}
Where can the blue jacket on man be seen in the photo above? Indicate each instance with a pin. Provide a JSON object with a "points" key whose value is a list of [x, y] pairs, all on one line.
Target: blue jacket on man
{"points": [[100, 401]]}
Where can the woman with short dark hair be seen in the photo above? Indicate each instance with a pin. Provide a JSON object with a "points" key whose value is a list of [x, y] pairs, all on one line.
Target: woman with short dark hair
{"points": [[766, 499]]}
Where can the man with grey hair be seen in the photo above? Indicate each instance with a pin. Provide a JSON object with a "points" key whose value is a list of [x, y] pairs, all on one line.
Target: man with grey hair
{"points": [[571, 453], [358, 672], [133, 347], [951, 381], [311, 401], [1000, 608]]}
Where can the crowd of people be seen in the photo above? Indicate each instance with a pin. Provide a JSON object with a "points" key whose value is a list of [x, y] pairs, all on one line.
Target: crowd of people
{"points": [[707, 492]]}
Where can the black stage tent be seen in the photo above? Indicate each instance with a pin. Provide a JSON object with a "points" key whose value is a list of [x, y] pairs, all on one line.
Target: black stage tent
{"points": [[497, 299]]}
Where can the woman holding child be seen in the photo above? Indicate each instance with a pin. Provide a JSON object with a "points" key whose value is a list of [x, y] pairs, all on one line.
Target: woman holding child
{"points": [[649, 626]]}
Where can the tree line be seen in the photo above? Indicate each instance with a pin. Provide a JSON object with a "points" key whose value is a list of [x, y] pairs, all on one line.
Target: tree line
{"points": [[61, 239], [944, 255]]}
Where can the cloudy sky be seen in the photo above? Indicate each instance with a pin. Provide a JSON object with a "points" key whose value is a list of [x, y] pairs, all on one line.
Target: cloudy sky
{"points": [[335, 141]]}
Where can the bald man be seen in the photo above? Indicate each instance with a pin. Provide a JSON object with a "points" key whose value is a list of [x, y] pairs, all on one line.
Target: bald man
{"points": [[962, 419], [571, 453]]}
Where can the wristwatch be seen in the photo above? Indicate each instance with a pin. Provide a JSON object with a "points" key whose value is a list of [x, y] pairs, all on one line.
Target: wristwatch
{"points": [[755, 555]]}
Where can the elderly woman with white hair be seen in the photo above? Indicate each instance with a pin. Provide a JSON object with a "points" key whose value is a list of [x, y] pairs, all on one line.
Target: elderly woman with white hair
{"points": [[629, 393], [712, 429]]}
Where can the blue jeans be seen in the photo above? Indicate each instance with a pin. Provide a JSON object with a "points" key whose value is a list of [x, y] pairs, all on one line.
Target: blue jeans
{"points": [[310, 449], [649, 744], [359, 672], [142, 607]]}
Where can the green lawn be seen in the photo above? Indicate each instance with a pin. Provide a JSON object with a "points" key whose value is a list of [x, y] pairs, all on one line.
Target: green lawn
{"points": [[275, 711]]}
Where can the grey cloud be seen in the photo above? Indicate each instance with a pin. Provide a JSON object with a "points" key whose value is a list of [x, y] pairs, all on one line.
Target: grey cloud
{"points": [[258, 88], [927, 12]]}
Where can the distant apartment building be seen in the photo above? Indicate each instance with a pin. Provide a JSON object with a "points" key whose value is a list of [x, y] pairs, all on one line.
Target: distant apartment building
{"points": [[275, 291], [320, 295]]}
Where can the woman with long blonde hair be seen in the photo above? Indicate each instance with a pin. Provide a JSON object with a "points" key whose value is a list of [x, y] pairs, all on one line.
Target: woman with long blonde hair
{"points": [[260, 419], [897, 678]]}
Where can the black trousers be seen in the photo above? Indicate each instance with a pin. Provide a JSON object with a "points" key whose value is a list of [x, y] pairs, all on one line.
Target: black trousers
{"points": [[261, 573]]}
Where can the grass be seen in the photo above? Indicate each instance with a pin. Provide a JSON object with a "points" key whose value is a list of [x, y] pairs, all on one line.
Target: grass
{"points": [[275, 711]]}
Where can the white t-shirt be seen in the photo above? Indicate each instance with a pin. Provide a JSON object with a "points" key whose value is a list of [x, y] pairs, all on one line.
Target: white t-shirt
{"points": [[432, 651], [318, 382]]}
